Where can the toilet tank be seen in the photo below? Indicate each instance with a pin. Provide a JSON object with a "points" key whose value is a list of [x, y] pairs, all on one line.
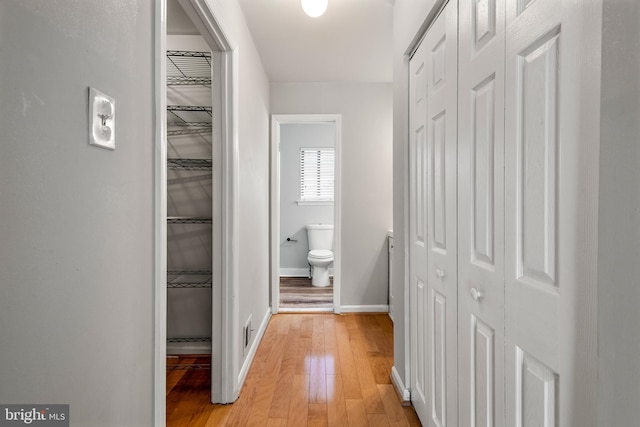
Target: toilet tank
{"points": [[320, 236]]}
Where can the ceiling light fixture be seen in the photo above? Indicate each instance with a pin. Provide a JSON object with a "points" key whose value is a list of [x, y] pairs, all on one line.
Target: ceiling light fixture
{"points": [[314, 8]]}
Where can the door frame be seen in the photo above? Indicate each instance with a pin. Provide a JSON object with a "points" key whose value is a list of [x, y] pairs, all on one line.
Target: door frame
{"points": [[278, 120], [225, 344], [160, 215]]}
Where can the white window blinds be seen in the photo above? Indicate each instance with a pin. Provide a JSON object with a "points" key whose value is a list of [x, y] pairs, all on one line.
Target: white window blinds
{"points": [[316, 174]]}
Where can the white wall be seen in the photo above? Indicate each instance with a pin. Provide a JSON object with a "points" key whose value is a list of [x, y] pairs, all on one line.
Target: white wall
{"points": [[76, 228], [252, 112], [366, 110], [408, 18], [294, 217], [619, 218]]}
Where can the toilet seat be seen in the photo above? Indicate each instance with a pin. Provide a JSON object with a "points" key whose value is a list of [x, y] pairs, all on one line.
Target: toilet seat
{"points": [[320, 254]]}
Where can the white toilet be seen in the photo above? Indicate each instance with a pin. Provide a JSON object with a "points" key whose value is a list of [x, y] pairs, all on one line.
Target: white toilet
{"points": [[320, 255]]}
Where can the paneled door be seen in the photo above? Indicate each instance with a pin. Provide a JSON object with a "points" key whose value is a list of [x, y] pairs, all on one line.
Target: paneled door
{"points": [[433, 229], [418, 231], [481, 213], [550, 99]]}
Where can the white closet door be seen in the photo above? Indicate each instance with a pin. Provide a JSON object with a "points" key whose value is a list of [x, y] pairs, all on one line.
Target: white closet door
{"points": [[549, 98], [418, 231], [481, 213], [442, 237], [433, 228]]}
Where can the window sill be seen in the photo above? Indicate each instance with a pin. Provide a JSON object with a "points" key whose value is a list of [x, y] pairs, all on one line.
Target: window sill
{"points": [[314, 202]]}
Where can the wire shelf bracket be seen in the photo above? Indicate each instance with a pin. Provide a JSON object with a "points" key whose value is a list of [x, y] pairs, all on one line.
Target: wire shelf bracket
{"points": [[188, 68], [183, 279], [189, 339], [189, 164], [188, 220]]}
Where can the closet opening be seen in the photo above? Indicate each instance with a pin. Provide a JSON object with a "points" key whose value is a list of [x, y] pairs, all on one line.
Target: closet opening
{"points": [[192, 87], [196, 212]]}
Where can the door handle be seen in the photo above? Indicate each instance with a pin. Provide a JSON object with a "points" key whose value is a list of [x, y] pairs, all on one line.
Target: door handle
{"points": [[476, 294], [439, 273]]}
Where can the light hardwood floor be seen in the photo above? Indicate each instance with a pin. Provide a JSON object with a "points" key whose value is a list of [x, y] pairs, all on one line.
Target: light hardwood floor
{"points": [[310, 370]]}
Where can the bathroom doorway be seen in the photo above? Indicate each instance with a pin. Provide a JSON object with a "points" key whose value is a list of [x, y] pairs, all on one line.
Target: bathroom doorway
{"points": [[305, 190]]}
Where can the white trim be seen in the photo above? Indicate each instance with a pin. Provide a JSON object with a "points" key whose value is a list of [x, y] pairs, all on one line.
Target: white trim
{"points": [[294, 272], [306, 310], [276, 121], [299, 272], [337, 215], [160, 216], [274, 211], [231, 311], [242, 376], [381, 308], [436, 10], [390, 272], [403, 393], [207, 18], [406, 331]]}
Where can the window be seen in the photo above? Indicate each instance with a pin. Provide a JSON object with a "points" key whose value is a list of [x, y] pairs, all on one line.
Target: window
{"points": [[316, 174]]}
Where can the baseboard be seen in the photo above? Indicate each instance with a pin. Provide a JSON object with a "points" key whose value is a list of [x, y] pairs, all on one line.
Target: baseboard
{"points": [[305, 310], [294, 272], [298, 272], [253, 348], [383, 308], [188, 348], [403, 392]]}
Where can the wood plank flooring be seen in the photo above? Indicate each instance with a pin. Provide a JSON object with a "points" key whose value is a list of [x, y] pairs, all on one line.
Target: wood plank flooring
{"points": [[298, 292], [310, 370]]}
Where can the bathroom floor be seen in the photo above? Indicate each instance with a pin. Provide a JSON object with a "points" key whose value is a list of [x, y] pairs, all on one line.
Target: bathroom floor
{"points": [[297, 292]]}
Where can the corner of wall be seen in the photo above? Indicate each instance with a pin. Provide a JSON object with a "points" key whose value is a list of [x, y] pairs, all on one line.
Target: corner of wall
{"points": [[244, 370], [403, 392]]}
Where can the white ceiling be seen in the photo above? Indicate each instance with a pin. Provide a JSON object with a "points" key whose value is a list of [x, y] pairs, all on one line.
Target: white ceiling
{"points": [[352, 41]]}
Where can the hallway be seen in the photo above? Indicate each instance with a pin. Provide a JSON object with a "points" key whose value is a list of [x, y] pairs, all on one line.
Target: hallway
{"points": [[310, 369]]}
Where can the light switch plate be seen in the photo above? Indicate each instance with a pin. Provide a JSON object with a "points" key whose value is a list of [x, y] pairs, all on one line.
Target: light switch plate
{"points": [[102, 120]]}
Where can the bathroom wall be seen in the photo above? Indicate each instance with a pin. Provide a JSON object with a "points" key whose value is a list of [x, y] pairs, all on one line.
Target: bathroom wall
{"points": [[366, 110], [294, 217], [76, 228]]}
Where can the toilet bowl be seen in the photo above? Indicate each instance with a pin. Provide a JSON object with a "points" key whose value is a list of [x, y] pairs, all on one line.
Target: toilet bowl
{"points": [[320, 255]]}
